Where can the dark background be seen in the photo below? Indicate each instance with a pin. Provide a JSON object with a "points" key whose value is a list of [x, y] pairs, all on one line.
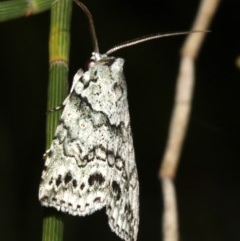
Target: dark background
{"points": [[208, 177]]}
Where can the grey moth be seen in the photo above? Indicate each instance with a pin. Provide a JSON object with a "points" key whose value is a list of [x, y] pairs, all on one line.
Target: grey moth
{"points": [[90, 163]]}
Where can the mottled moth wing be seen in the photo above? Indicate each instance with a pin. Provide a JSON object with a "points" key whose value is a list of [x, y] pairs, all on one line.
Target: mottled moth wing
{"points": [[91, 164]]}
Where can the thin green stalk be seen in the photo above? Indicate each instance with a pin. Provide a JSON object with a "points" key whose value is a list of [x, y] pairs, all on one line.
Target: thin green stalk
{"points": [[20, 8], [59, 44]]}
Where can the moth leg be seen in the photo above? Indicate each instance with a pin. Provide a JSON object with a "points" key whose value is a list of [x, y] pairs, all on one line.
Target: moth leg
{"points": [[76, 78], [59, 107], [45, 155]]}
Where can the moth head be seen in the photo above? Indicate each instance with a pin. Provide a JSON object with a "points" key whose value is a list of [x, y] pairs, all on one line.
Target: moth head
{"points": [[104, 59]]}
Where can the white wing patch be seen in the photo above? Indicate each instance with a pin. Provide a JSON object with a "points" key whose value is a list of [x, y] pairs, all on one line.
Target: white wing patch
{"points": [[91, 163]]}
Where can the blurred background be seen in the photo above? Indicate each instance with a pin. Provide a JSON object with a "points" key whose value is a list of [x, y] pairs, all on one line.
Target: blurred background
{"points": [[208, 178]]}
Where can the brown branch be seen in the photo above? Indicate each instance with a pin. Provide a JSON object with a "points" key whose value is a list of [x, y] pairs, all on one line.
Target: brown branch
{"points": [[180, 117]]}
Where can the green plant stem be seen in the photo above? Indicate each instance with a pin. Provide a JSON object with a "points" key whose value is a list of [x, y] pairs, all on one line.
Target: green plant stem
{"points": [[59, 45], [20, 8]]}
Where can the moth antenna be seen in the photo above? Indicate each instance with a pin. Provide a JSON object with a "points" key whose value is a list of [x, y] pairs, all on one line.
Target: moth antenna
{"points": [[91, 24], [148, 38]]}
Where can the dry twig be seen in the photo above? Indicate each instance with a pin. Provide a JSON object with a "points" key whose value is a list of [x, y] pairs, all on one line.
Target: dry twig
{"points": [[180, 117]]}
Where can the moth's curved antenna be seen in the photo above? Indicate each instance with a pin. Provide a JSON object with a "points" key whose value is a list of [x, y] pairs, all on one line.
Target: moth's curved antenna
{"points": [[91, 24], [148, 38]]}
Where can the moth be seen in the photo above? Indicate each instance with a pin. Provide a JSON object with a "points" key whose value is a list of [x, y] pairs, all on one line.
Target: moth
{"points": [[90, 164]]}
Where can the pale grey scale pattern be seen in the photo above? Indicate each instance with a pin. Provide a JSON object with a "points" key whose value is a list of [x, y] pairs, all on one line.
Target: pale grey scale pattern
{"points": [[91, 163]]}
